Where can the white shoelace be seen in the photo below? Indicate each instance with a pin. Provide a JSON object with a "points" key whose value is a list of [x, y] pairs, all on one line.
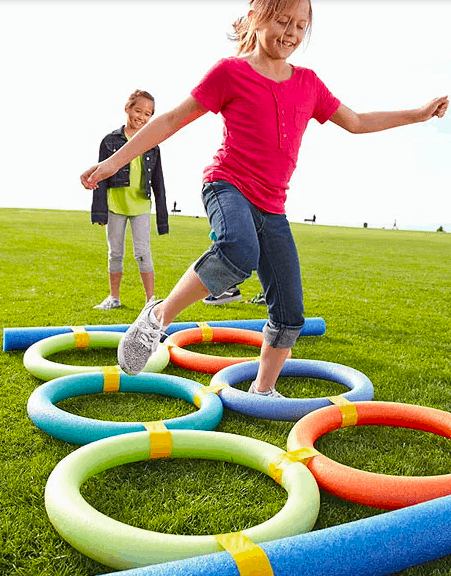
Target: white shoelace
{"points": [[148, 336]]}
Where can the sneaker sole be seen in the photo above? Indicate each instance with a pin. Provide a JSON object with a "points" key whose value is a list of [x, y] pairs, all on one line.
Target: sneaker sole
{"points": [[228, 301], [120, 359]]}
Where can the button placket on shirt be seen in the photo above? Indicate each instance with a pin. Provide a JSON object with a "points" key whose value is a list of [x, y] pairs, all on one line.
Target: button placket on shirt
{"points": [[278, 92]]}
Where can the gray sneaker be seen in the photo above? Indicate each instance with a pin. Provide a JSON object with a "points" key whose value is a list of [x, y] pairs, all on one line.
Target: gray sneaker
{"points": [[272, 392], [140, 341], [109, 303]]}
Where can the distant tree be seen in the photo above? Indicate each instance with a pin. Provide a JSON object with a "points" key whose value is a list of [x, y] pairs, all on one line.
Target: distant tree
{"points": [[440, 229]]}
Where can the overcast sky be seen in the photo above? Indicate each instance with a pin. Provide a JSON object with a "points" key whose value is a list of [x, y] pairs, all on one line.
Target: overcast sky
{"points": [[68, 68]]}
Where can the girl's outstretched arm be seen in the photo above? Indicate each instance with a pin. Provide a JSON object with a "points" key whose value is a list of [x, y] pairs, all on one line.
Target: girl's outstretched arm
{"points": [[377, 121], [154, 132]]}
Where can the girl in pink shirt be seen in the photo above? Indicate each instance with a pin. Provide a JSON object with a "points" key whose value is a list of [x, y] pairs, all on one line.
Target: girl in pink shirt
{"points": [[266, 104]]}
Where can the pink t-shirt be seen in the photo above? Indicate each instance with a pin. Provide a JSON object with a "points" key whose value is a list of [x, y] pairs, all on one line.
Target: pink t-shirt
{"points": [[263, 126]]}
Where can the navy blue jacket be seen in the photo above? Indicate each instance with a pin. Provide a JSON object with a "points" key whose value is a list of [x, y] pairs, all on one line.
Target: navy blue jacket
{"points": [[154, 180]]}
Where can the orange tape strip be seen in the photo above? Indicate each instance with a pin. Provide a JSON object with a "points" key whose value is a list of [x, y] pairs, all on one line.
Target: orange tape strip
{"points": [[81, 336], [160, 439], [250, 559], [111, 378]]}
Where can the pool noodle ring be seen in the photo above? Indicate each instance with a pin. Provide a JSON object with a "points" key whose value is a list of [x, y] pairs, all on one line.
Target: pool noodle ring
{"points": [[368, 488], [289, 409], [80, 430], [383, 544], [205, 362], [36, 363], [122, 546]]}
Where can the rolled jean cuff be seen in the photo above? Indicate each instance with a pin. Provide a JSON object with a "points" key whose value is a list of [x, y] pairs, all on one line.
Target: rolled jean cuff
{"points": [[279, 336], [217, 273]]}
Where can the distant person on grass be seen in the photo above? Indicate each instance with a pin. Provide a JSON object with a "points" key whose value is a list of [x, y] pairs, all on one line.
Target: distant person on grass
{"points": [[125, 197], [266, 104]]}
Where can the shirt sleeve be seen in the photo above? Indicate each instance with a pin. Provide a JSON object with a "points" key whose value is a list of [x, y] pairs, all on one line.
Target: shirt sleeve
{"points": [[212, 89], [326, 103]]}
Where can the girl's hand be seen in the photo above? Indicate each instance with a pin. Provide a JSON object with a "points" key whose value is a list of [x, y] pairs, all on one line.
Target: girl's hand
{"points": [[436, 107], [96, 173]]}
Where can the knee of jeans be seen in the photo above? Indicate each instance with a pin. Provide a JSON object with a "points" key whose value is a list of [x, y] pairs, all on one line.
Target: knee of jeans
{"points": [[243, 255]]}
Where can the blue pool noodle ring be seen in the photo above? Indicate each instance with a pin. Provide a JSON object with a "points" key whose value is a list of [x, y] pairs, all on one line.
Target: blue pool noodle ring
{"points": [[289, 409], [80, 430], [22, 338], [376, 546]]}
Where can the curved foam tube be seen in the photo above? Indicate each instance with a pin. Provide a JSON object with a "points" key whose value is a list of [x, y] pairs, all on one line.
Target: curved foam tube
{"points": [[289, 409], [382, 544]]}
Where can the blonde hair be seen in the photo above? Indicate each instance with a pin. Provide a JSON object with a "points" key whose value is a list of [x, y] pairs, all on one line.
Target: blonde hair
{"points": [[133, 98], [245, 30]]}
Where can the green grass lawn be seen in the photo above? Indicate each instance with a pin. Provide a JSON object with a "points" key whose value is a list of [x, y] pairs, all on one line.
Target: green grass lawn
{"points": [[385, 296]]}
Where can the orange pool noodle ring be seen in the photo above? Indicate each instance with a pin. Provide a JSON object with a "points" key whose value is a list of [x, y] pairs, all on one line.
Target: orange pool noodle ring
{"points": [[204, 362], [368, 488]]}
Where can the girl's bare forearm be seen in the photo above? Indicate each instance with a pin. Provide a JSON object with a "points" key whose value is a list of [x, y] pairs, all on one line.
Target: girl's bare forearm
{"points": [[377, 121], [157, 131], [152, 134]]}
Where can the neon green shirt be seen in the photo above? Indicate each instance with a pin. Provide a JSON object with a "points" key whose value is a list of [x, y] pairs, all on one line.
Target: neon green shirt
{"points": [[130, 200]]}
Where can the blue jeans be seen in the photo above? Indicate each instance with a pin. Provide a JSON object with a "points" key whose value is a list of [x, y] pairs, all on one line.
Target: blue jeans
{"points": [[249, 239]]}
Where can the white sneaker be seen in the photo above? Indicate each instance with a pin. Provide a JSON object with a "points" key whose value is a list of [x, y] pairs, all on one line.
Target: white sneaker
{"points": [[141, 340], [109, 303], [272, 392]]}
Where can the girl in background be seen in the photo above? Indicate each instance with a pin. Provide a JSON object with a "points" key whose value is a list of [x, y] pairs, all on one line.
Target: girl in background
{"points": [[124, 197], [266, 104]]}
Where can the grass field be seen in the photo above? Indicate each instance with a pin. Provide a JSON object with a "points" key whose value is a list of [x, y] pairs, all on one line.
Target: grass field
{"points": [[385, 296]]}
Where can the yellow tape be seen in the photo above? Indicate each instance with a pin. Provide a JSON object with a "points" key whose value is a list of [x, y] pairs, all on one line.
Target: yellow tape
{"points": [[160, 439], [348, 410], [197, 400], [250, 559], [206, 331], [111, 378], [169, 343], [280, 463], [81, 336], [349, 414], [305, 454], [339, 400]]}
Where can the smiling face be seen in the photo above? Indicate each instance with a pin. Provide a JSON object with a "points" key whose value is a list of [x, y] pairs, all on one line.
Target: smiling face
{"points": [[138, 114], [280, 36]]}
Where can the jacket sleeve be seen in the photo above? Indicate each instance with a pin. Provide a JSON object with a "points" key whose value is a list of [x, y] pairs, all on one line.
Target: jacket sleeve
{"points": [[99, 207], [159, 192]]}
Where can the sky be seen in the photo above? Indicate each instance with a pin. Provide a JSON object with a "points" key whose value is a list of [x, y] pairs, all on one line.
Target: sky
{"points": [[68, 67]]}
